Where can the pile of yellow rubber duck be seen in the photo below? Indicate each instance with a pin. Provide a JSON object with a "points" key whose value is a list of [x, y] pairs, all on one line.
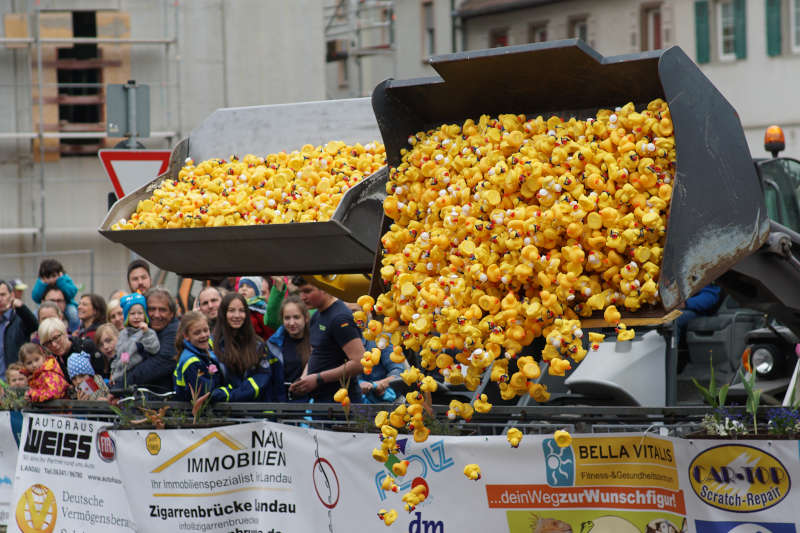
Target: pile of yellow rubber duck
{"points": [[510, 228], [305, 185]]}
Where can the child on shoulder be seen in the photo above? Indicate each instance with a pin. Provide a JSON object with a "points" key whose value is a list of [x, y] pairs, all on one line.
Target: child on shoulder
{"points": [[51, 272], [136, 334], [46, 381]]}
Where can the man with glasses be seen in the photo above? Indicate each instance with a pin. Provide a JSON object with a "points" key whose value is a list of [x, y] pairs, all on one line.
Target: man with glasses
{"points": [[17, 324], [55, 295]]}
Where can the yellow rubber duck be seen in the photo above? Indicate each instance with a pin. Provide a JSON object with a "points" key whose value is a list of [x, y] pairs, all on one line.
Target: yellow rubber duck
{"points": [[472, 471], [388, 484], [562, 438], [514, 437], [399, 468], [482, 404], [388, 517]]}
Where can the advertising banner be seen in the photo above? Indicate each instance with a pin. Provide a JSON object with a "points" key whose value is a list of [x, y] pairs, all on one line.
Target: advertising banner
{"points": [[9, 442], [274, 478], [248, 477], [67, 479], [742, 486]]}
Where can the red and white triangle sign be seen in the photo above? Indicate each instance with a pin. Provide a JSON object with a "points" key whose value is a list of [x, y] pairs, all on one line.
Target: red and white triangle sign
{"points": [[130, 169]]}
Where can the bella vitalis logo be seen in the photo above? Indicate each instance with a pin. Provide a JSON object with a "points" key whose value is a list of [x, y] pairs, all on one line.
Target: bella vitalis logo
{"points": [[36, 510]]}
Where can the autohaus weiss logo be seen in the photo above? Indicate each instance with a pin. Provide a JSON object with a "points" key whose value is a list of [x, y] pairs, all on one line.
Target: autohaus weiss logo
{"points": [[739, 478]]}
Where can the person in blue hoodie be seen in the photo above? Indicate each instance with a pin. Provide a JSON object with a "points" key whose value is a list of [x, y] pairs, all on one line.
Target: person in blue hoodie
{"points": [[197, 369], [250, 372]]}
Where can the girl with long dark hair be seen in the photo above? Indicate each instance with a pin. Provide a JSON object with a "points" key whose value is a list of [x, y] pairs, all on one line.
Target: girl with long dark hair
{"points": [[250, 373]]}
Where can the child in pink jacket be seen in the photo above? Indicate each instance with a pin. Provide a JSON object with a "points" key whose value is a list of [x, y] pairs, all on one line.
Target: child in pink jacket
{"points": [[46, 380]]}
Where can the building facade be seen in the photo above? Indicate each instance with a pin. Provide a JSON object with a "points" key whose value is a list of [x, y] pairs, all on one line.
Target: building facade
{"points": [[749, 49], [195, 56]]}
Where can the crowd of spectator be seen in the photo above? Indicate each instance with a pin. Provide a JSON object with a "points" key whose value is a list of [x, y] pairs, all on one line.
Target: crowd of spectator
{"points": [[261, 339]]}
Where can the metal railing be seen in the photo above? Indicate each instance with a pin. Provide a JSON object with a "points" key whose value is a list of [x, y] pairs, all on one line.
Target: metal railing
{"points": [[540, 419]]}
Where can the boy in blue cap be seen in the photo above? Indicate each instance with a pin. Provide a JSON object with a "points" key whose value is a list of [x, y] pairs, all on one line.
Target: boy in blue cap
{"points": [[88, 385], [134, 338]]}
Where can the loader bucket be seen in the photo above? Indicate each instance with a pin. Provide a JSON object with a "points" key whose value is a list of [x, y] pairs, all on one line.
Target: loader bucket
{"points": [[717, 215], [346, 243]]}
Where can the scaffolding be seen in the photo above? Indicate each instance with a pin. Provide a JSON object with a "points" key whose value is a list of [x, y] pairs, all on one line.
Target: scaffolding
{"points": [[38, 44], [358, 29]]}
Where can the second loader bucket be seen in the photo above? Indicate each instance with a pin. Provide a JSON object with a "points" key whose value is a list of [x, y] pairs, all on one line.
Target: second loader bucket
{"points": [[344, 244], [717, 213]]}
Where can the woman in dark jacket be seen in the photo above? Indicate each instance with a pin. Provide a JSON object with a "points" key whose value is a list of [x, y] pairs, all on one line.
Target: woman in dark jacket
{"points": [[250, 373]]}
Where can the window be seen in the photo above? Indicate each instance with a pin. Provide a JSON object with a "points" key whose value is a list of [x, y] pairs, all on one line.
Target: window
{"points": [[795, 25], [428, 29], [782, 191], [579, 29], [537, 32], [335, 50], [726, 33], [651, 28], [498, 37], [774, 38], [342, 76], [701, 31]]}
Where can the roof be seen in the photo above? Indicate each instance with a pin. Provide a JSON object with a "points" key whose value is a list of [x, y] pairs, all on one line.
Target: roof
{"points": [[476, 8]]}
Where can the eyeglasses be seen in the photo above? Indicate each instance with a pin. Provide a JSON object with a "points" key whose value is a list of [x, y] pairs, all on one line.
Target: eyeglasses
{"points": [[56, 300], [48, 343]]}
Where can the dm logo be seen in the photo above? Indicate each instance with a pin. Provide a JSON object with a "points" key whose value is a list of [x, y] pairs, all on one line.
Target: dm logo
{"points": [[739, 478], [36, 510], [106, 448], [560, 464]]}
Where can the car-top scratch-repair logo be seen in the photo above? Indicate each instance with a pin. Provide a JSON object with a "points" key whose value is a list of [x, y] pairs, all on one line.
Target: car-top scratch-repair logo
{"points": [[739, 478], [37, 510]]}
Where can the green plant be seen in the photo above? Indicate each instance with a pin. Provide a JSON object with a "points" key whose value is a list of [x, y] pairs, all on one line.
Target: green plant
{"points": [[724, 423], [713, 396], [783, 420], [749, 382]]}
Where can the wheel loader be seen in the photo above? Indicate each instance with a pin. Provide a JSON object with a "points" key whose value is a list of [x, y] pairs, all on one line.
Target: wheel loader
{"points": [[724, 223]]}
